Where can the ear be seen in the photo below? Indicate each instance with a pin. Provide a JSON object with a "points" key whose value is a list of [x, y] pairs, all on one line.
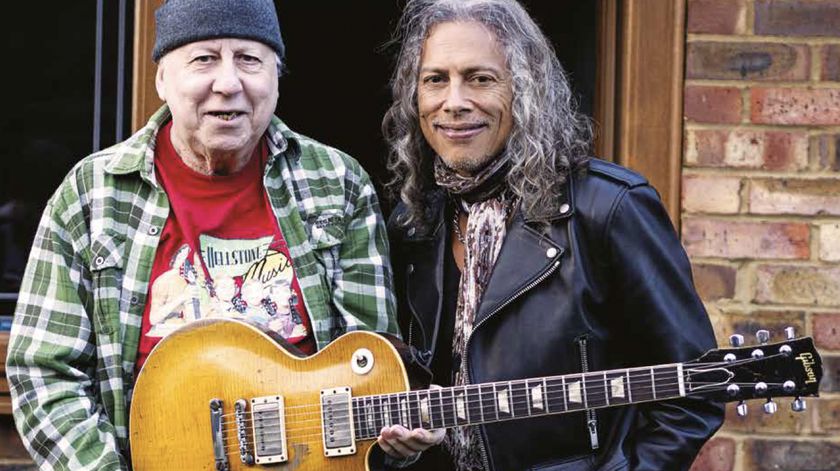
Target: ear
{"points": [[159, 81]]}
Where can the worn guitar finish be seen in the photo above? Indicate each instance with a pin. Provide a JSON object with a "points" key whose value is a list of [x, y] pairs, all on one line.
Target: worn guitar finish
{"points": [[222, 395]]}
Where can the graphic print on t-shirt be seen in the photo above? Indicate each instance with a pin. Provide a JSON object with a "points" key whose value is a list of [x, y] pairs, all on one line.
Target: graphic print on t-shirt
{"points": [[248, 278]]}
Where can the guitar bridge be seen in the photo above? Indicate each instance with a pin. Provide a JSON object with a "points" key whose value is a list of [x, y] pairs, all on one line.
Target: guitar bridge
{"points": [[337, 422], [269, 429]]}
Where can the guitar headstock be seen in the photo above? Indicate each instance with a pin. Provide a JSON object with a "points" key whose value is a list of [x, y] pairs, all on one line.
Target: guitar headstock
{"points": [[790, 368]]}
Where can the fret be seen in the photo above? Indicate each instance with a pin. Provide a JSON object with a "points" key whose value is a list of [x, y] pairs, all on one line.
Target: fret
{"points": [[606, 390], [555, 395], [653, 383], [545, 397], [357, 420], [474, 406], [394, 401], [439, 393], [629, 386], [489, 403], [405, 417], [667, 381], [520, 404], [595, 390], [641, 385], [414, 410]]}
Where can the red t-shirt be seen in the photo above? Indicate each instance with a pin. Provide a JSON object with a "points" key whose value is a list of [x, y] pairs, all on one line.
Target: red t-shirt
{"points": [[221, 254]]}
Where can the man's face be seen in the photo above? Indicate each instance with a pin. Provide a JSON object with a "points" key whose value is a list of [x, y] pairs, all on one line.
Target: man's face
{"points": [[222, 94], [464, 95]]}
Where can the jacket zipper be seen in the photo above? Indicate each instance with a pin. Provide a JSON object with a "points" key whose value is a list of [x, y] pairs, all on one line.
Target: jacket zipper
{"points": [[509, 300], [591, 419]]}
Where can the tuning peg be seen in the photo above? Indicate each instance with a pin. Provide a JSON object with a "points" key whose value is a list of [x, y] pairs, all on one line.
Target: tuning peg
{"points": [[798, 405], [788, 386], [770, 407], [790, 333], [763, 336], [742, 409], [733, 389], [736, 340]]}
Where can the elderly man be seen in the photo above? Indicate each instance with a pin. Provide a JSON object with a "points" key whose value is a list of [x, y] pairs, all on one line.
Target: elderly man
{"points": [[516, 256], [214, 209]]}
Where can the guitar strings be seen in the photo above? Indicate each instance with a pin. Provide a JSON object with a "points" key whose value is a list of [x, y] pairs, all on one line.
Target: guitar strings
{"points": [[622, 372], [472, 407]]}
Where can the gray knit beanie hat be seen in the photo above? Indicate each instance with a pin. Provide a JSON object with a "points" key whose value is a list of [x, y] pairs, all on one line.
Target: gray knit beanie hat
{"points": [[179, 22]]}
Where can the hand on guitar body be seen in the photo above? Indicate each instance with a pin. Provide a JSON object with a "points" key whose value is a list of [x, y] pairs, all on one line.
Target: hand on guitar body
{"points": [[401, 443]]}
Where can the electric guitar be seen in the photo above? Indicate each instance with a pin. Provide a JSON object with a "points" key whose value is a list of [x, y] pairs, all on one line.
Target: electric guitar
{"points": [[223, 395]]}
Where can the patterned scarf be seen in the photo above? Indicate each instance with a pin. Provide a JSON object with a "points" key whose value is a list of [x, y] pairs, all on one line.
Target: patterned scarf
{"points": [[485, 233]]}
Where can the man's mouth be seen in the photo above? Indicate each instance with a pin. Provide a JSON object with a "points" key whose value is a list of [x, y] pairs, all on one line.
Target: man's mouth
{"points": [[460, 130], [226, 115]]}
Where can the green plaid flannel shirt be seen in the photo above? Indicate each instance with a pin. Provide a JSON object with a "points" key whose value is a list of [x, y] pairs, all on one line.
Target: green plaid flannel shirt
{"points": [[77, 322]]}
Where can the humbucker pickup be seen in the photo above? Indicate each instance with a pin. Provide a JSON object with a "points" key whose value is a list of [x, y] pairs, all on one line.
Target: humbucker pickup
{"points": [[269, 427], [337, 422]]}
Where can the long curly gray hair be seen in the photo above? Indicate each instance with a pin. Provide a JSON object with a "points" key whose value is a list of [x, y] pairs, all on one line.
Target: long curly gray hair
{"points": [[549, 139]]}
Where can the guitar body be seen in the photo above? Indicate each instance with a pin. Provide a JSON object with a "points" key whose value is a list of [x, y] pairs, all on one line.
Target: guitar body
{"points": [[171, 425]]}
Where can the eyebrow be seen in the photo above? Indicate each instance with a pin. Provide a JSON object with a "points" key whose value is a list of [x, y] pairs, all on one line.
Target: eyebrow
{"points": [[465, 71]]}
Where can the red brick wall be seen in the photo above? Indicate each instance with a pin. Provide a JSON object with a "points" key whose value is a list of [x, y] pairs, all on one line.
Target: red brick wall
{"points": [[761, 205]]}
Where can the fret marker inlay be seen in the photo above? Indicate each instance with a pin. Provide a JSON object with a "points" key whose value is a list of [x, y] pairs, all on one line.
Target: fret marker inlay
{"points": [[574, 392], [424, 410], [536, 397], [502, 399], [459, 406], [617, 387]]}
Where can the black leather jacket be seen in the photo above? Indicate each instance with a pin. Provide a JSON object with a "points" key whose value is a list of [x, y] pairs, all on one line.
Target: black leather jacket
{"points": [[606, 286]]}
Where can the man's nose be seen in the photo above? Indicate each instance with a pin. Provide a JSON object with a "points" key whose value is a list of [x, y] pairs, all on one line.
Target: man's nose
{"points": [[227, 81], [457, 99]]}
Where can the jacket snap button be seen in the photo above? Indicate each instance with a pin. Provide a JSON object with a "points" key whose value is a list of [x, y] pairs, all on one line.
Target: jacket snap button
{"points": [[551, 253], [411, 231], [99, 261], [134, 300], [153, 230], [564, 208]]}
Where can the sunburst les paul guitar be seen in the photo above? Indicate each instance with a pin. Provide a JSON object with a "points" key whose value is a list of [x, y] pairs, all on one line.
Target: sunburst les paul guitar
{"points": [[222, 395]]}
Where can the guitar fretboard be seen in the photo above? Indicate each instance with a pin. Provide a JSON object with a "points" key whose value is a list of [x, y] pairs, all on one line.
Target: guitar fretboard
{"points": [[507, 400]]}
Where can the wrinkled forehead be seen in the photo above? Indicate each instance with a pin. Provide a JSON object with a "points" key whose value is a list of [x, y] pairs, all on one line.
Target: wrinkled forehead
{"points": [[218, 45]]}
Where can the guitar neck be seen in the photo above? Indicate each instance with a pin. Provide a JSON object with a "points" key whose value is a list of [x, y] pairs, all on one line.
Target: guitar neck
{"points": [[507, 400]]}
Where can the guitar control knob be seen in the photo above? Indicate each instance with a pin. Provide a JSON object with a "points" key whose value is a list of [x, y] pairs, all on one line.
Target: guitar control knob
{"points": [[790, 333], [770, 407], [742, 409], [733, 389], [736, 340], [763, 336], [798, 405]]}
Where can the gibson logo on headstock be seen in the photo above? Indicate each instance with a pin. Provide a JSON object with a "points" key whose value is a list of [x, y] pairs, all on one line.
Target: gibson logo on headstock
{"points": [[808, 362]]}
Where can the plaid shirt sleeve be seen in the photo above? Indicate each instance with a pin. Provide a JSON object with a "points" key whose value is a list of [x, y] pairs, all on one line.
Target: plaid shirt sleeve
{"points": [[363, 294], [52, 357]]}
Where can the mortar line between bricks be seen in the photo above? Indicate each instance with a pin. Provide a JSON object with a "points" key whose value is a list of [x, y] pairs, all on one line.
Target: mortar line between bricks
{"points": [[754, 173], [747, 39], [748, 84], [811, 129]]}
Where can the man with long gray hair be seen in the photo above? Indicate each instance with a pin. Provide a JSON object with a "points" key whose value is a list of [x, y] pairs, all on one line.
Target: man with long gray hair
{"points": [[517, 256]]}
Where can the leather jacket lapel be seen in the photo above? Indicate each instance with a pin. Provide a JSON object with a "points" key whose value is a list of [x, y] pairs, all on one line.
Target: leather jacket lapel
{"points": [[525, 257]]}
